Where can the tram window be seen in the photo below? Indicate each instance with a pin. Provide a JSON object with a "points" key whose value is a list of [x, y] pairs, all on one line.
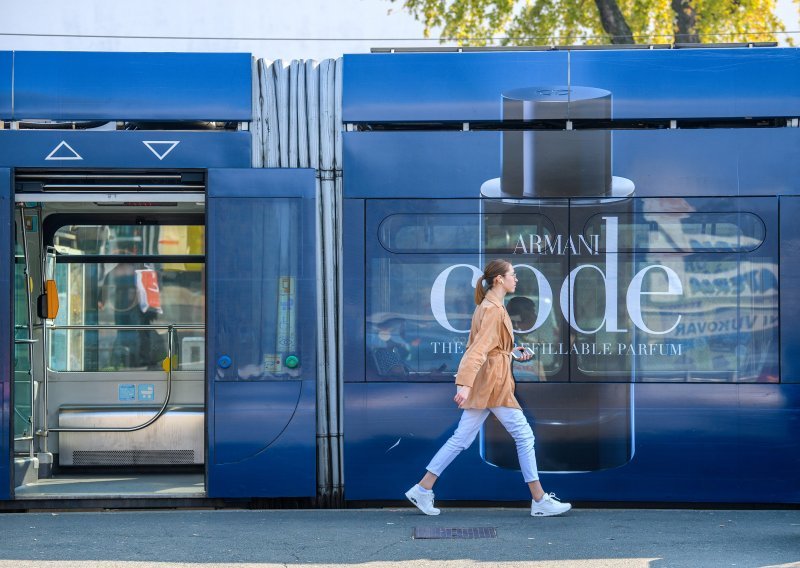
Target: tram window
{"points": [[723, 327], [689, 292], [420, 293], [697, 294], [107, 294], [150, 292]]}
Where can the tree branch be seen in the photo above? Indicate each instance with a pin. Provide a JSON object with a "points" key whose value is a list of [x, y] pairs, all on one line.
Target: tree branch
{"points": [[613, 21], [685, 22]]}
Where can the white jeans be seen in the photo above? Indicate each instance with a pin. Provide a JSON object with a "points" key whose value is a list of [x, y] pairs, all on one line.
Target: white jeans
{"points": [[512, 420]]}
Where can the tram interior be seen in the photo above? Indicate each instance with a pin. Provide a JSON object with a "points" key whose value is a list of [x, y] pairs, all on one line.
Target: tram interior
{"points": [[109, 313]]}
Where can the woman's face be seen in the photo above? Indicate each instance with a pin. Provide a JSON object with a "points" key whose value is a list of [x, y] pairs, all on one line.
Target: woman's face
{"points": [[508, 280]]}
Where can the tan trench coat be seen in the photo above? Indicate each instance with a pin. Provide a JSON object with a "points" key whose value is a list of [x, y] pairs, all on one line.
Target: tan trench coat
{"points": [[486, 365]]}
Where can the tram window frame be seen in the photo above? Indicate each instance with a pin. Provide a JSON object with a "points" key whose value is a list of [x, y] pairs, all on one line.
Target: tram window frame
{"points": [[56, 221]]}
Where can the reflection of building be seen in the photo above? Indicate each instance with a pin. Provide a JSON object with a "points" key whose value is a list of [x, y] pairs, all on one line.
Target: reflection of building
{"points": [[729, 306], [110, 292]]}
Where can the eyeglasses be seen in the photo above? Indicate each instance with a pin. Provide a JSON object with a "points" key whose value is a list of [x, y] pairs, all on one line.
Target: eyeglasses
{"points": [[512, 275]]}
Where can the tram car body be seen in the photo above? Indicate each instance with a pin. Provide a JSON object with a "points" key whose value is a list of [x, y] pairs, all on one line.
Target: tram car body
{"points": [[646, 211], [206, 346]]}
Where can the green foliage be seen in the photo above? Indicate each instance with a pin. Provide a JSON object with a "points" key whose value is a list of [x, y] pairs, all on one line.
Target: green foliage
{"points": [[564, 22]]}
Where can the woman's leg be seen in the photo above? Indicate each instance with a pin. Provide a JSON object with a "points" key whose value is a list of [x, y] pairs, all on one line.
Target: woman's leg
{"points": [[421, 494], [428, 480], [462, 438], [517, 425]]}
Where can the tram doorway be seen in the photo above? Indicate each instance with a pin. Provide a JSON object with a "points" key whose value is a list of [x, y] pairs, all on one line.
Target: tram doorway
{"points": [[108, 388]]}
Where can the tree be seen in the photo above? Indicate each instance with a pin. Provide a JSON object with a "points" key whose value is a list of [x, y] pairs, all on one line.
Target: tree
{"points": [[547, 22]]}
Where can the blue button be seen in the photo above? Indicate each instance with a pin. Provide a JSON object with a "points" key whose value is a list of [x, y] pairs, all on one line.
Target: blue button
{"points": [[224, 361]]}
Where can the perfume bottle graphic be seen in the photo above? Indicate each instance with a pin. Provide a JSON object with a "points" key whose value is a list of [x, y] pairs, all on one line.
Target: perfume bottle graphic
{"points": [[542, 163], [582, 416]]}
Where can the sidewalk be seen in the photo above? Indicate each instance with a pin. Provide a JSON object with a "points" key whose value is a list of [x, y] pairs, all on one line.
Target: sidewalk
{"points": [[589, 538]]}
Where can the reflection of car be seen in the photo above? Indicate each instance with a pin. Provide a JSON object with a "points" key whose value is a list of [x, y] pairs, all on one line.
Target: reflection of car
{"points": [[412, 346], [419, 348]]}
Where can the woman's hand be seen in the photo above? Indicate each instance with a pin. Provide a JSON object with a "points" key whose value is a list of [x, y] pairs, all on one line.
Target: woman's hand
{"points": [[524, 354], [462, 394]]}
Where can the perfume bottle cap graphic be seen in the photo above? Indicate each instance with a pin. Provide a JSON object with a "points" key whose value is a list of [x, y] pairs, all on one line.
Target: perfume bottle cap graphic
{"points": [[556, 163]]}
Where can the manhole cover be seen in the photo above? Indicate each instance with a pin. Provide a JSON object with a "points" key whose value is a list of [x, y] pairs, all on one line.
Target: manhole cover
{"points": [[440, 532]]}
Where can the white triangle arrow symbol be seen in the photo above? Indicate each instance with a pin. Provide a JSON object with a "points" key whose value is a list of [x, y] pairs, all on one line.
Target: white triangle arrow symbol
{"points": [[63, 144], [161, 144]]}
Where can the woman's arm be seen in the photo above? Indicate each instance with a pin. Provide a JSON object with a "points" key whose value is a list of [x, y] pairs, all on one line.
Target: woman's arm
{"points": [[485, 339]]}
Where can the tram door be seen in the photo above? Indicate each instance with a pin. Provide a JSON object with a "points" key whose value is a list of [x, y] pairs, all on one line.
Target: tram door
{"points": [[6, 451], [261, 333]]}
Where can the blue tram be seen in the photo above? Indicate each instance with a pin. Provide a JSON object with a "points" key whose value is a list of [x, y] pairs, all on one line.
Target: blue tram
{"points": [[231, 279]]}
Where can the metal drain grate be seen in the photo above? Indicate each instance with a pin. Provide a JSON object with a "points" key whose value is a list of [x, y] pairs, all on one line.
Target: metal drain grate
{"points": [[440, 532]]}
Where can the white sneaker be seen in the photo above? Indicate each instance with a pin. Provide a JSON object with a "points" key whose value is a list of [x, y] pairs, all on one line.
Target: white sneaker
{"points": [[423, 501], [549, 506]]}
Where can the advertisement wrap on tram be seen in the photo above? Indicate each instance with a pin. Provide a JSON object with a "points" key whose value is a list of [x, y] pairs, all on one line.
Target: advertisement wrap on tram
{"points": [[647, 256]]}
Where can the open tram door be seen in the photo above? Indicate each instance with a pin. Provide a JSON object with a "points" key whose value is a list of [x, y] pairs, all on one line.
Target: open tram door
{"points": [[261, 350], [107, 392]]}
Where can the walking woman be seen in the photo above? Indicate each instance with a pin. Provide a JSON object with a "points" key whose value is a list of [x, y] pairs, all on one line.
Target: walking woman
{"points": [[485, 384]]}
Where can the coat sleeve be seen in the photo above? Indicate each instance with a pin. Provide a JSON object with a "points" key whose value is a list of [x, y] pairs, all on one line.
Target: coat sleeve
{"points": [[484, 340]]}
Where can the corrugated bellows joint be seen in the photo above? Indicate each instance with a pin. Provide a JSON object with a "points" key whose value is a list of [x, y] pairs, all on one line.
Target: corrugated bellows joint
{"points": [[442, 532]]}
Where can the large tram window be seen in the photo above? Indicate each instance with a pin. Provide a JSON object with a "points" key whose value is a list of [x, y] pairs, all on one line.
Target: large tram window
{"points": [[421, 273], [611, 290], [698, 279], [138, 284]]}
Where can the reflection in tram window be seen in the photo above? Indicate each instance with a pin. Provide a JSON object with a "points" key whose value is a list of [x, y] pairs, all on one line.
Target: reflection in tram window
{"points": [[120, 292], [528, 237], [684, 232], [454, 233], [722, 326], [420, 300], [133, 240], [634, 290], [523, 312], [403, 338]]}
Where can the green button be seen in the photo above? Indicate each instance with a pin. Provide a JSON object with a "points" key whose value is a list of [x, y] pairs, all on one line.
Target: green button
{"points": [[292, 361]]}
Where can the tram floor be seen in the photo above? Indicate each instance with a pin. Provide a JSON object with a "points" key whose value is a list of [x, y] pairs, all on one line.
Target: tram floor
{"points": [[179, 485]]}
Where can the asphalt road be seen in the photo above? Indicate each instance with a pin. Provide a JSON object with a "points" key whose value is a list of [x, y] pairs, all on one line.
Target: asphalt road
{"points": [[383, 537]]}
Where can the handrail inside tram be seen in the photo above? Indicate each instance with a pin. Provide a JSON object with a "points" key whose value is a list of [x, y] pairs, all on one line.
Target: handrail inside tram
{"points": [[170, 330]]}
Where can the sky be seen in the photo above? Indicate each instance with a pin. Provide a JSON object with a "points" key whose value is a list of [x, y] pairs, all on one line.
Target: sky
{"points": [[280, 29]]}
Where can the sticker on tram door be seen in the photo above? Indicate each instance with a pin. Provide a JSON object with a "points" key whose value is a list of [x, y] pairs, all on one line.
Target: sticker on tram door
{"points": [[147, 291], [272, 363]]}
